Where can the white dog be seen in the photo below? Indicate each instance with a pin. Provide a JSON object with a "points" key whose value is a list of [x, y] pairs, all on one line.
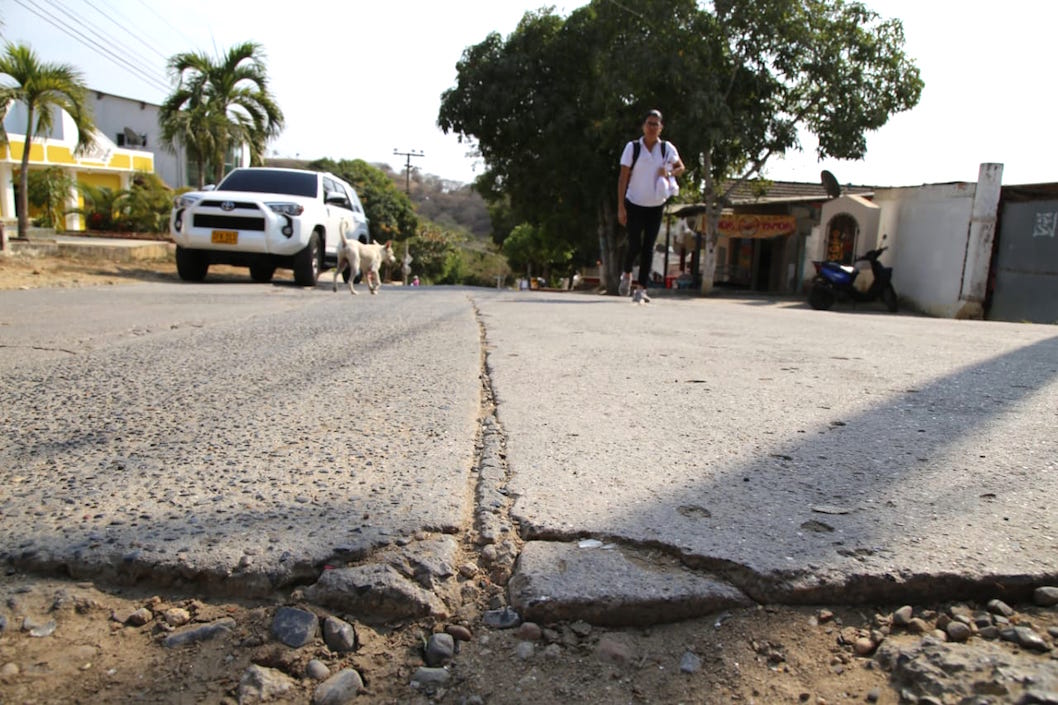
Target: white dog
{"points": [[362, 259]]}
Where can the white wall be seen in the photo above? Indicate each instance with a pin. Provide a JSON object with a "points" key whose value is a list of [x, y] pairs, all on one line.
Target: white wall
{"points": [[114, 113], [927, 228]]}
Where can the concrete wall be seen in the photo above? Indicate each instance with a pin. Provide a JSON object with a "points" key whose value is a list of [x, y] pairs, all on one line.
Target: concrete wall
{"points": [[930, 236]]}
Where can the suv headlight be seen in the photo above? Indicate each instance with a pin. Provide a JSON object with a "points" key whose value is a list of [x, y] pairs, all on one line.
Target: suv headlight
{"points": [[287, 208], [186, 200]]}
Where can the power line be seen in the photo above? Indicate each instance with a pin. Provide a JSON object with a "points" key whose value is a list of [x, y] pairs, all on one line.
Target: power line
{"points": [[141, 62], [111, 14], [93, 45], [167, 23]]}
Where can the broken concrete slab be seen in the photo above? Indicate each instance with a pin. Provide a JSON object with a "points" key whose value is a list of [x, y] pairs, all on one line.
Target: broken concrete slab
{"points": [[612, 585]]}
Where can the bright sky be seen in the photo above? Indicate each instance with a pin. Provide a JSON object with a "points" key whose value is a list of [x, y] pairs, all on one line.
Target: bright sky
{"points": [[362, 79]]}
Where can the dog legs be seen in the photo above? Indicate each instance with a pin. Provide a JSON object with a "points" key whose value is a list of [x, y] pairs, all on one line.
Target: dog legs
{"points": [[344, 263]]}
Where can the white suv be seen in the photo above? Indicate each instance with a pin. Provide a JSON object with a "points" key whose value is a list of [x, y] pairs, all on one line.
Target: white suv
{"points": [[266, 219]]}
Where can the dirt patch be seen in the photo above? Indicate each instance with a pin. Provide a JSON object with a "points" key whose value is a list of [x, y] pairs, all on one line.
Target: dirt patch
{"points": [[36, 271], [75, 642], [89, 649]]}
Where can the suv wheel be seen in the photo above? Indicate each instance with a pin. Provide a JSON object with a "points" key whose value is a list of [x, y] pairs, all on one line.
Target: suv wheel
{"points": [[191, 265], [307, 263]]}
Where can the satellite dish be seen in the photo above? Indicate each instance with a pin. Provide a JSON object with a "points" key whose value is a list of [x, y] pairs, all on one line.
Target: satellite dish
{"points": [[830, 183]]}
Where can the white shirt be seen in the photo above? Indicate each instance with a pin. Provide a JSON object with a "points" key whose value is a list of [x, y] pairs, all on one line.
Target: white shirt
{"points": [[642, 182]]}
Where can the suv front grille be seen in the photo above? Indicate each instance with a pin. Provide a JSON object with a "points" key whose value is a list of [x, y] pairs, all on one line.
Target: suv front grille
{"points": [[228, 222], [241, 205]]}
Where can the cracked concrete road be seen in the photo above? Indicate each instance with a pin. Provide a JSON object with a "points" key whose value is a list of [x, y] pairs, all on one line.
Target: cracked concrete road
{"points": [[236, 436], [659, 461], [799, 456]]}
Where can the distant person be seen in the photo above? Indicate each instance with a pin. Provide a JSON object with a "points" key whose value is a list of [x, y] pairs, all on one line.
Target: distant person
{"points": [[649, 166], [415, 281]]}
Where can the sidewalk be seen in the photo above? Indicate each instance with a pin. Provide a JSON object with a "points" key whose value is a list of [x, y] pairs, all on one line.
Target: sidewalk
{"points": [[48, 243]]}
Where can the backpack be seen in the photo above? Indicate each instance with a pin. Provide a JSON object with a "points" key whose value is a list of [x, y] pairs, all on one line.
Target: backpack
{"points": [[637, 146]]}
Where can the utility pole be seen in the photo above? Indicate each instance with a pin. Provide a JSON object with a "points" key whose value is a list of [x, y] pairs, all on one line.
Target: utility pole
{"points": [[407, 166]]}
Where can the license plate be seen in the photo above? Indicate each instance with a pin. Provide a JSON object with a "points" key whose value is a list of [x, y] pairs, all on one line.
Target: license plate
{"points": [[225, 237]]}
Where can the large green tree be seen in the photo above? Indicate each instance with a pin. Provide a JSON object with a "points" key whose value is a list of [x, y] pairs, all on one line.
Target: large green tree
{"points": [[217, 105], [44, 89], [551, 105]]}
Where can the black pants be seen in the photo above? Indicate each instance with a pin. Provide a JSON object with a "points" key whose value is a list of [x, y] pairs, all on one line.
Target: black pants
{"points": [[643, 225]]}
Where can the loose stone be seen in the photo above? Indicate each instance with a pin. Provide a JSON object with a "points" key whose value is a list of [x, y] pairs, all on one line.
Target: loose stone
{"points": [[863, 646], [339, 689], [957, 631], [139, 617], [917, 625], [339, 635], [690, 662], [504, 618], [458, 632], [317, 670], [1000, 607], [440, 648], [197, 634], [529, 631], [902, 617], [176, 616], [260, 684], [38, 629], [525, 650], [1045, 596], [1030, 639], [295, 627]]}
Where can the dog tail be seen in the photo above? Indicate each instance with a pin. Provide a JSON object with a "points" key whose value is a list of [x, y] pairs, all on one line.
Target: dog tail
{"points": [[341, 232]]}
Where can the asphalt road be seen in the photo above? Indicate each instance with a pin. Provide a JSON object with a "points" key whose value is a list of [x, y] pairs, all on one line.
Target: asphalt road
{"points": [[251, 433]]}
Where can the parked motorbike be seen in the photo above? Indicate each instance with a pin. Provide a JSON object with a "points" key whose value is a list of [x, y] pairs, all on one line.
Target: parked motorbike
{"points": [[835, 281]]}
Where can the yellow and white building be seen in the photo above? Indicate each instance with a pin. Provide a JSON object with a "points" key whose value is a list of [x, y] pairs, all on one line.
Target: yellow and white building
{"points": [[105, 164]]}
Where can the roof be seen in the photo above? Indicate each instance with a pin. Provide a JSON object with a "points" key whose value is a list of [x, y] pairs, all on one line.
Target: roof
{"points": [[749, 192], [763, 192]]}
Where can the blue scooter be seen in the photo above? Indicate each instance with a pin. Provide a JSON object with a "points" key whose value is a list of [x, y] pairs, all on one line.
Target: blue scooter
{"points": [[834, 281]]}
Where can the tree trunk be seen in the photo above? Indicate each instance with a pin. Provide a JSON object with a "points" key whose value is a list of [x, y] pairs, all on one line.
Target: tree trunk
{"points": [[708, 262], [713, 208], [612, 242], [23, 179]]}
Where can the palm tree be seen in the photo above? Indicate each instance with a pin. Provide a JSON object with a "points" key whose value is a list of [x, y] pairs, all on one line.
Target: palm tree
{"points": [[217, 105], [42, 88]]}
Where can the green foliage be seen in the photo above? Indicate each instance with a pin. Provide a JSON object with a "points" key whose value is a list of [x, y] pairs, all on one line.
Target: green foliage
{"points": [[389, 210], [100, 206], [430, 250], [217, 105], [146, 205], [535, 251], [49, 189], [550, 106], [143, 207], [44, 89]]}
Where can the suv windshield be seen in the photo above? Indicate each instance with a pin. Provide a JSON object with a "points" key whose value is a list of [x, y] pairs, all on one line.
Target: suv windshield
{"points": [[267, 181]]}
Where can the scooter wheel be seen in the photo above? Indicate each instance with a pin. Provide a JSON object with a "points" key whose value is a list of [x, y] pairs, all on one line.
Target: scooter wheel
{"points": [[889, 298], [821, 298]]}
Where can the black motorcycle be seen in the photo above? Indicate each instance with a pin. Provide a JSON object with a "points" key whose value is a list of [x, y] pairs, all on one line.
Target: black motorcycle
{"points": [[835, 281]]}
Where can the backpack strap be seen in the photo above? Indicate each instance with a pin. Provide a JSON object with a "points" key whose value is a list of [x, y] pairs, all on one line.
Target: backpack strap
{"points": [[636, 147]]}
